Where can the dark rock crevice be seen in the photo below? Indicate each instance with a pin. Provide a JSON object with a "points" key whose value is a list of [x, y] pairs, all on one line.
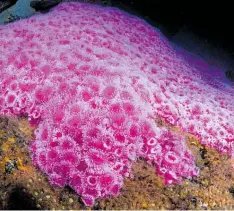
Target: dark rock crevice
{"points": [[20, 200]]}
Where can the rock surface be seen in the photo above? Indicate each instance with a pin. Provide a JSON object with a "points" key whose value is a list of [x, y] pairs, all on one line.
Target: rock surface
{"points": [[4, 4], [83, 139], [26, 188], [42, 5]]}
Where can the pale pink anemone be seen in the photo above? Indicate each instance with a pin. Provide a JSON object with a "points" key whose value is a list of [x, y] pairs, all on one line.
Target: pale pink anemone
{"points": [[93, 80]]}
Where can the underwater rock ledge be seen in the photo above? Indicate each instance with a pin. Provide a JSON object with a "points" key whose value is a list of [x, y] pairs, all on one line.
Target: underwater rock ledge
{"points": [[94, 90]]}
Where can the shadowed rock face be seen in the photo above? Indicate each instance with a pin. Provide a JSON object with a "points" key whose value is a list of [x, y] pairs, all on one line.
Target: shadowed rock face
{"points": [[4, 4], [230, 75], [44, 5]]}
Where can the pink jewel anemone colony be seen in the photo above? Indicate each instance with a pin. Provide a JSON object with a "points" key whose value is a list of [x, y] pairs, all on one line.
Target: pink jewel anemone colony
{"points": [[94, 80]]}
